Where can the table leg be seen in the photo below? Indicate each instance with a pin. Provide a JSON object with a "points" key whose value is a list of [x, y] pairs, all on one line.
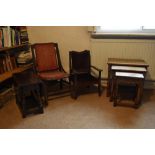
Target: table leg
{"points": [[108, 82], [139, 94]]}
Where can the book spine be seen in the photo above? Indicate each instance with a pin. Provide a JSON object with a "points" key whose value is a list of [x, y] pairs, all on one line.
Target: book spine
{"points": [[1, 66], [9, 36], [1, 37], [9, 62], [4, 65]]}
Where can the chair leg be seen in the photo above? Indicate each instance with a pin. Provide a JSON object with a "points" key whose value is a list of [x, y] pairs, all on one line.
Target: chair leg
{"points": [[61, 84], [45, 94], [99, 88], [112, 90], [75, 95], [115, 93], [75, 92]]}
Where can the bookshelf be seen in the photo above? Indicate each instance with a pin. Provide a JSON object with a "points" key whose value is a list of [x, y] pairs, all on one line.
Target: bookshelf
{"points": [[8, 61], [12, 45], [9, 74], [13, 35]]}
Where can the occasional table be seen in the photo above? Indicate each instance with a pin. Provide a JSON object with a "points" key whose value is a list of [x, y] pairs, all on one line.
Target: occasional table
{"points": [[124, 65], [30, 93], [128, 81]]}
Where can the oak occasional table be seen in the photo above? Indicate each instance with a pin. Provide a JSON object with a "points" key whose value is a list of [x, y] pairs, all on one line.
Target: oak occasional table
{"points": [[124, 65], [133, 84]]}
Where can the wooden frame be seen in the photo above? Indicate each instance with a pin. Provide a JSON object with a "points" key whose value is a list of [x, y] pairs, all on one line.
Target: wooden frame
{"points": [[59, 70], [123, 62], [82, 77]]}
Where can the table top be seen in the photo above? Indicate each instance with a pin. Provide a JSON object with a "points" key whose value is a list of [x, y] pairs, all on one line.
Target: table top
{"points": [[26, 79], [127, 62]]}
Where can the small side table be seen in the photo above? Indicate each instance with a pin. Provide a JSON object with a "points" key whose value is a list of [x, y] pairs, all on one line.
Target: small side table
{"points": [[129, 79], [30, 93], [124, 63]]}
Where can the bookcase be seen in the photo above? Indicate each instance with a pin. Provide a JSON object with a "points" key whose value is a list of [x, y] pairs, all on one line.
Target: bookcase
{"points": [[13, 41], [13, 35]]}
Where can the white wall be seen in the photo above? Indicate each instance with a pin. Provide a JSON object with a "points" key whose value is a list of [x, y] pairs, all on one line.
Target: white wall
{"points": [[68, 38]]}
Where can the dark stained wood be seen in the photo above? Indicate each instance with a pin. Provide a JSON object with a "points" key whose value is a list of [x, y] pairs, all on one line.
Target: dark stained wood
{"points": [[128, 79], [60, 69], [128, 65], [30, 93], [81, 72]]}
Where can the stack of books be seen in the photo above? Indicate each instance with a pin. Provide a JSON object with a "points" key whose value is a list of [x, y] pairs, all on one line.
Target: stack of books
{"points": [[24, 57], [24, 35]]}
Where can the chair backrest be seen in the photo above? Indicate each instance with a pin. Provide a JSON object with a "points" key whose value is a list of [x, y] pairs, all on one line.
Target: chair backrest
{"points": [[46, 56], [79, 61]]}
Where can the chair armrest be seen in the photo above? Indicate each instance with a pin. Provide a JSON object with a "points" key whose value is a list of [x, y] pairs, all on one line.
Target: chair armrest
{"points": [[97, 69], [100, 70]]}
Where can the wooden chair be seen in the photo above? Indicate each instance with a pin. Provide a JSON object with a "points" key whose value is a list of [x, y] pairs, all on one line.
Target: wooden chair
{"points": [[82, 74], [47, 63]]}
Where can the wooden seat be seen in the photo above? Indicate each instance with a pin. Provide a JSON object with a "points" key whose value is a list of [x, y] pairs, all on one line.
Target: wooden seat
{"points": [[81, 72], [132, 84]]}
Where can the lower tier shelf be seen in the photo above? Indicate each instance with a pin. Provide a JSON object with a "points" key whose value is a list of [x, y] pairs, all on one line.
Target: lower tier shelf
{"points": [[9, 74]]}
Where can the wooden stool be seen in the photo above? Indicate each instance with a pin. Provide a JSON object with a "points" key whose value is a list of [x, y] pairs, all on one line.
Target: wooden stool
{"points": [[30, 93], [133, 82]]}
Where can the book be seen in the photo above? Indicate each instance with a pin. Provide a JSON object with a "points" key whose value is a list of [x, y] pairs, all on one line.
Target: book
{"points": [[1, 38], [7, 36], [13, 62], [1, 66], [3, 63], [17, 37], [9, 62], [12, 37]]}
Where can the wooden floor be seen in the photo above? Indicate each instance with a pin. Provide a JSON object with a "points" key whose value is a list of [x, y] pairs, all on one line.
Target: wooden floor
{"points": [[87, 112]]}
